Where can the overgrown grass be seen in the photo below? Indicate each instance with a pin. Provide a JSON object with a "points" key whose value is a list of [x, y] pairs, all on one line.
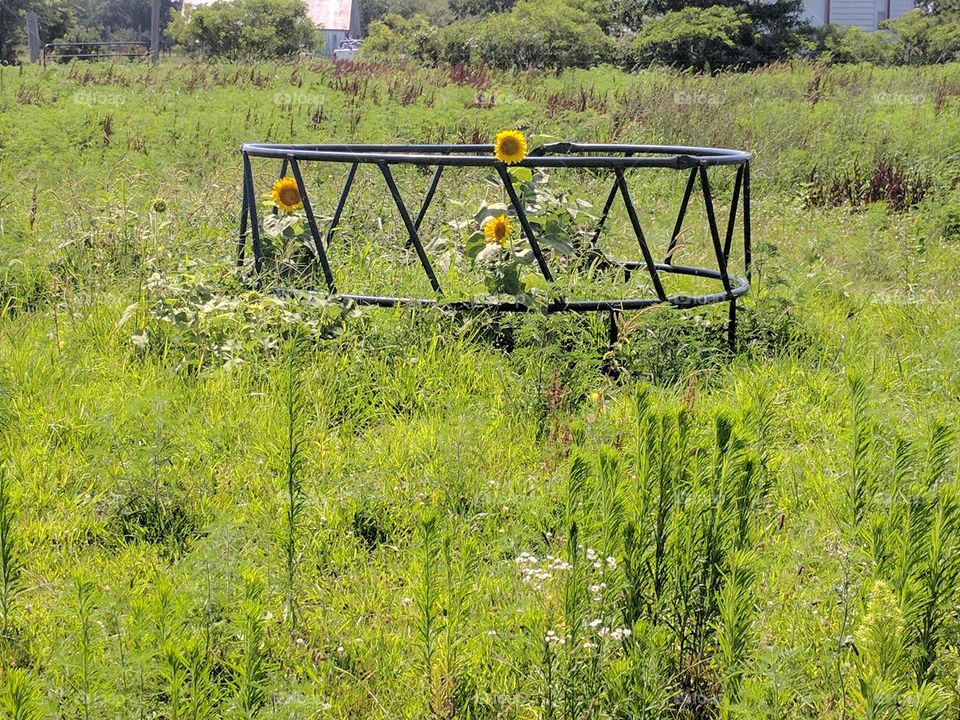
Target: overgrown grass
{"points": [[216, 503]]}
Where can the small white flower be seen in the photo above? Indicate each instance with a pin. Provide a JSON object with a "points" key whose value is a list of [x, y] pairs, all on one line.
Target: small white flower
{"points": [[406, 602]]}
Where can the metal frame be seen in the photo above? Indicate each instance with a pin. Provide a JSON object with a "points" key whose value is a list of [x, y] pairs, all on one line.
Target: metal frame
{"points": [[114, 50], [617, 158]]}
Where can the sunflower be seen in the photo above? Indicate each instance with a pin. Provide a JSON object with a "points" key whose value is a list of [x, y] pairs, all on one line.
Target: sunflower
{"points": [[510, 146], [286, 194], [497, 230]]}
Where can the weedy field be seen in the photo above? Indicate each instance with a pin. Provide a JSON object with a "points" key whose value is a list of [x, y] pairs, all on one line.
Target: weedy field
{"points": [[220, 503]]}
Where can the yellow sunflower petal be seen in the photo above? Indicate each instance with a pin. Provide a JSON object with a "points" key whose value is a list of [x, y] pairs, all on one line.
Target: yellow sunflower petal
{"points": [[510, 146], [497, 230], [286, 194]]}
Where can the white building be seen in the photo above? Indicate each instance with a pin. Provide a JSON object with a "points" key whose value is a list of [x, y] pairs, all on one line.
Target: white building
{"points": [[867, 14]]}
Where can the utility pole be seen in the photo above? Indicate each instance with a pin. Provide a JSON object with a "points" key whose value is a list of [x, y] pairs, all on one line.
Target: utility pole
{"points": [[33, 37], [155, 32]]}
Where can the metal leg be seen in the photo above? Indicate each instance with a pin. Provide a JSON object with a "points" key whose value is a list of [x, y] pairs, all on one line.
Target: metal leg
{"points": [[252, 208], [611, 196], [524, 223], [242, 240], [668, 260], [714, 232], [638, 231], [429, 197], [335, 221], [747, 250], [732, 219], [411, 228], [314, 230]]}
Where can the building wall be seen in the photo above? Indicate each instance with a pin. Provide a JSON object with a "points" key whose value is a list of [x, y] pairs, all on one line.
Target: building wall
{"points": [[867, 14]]}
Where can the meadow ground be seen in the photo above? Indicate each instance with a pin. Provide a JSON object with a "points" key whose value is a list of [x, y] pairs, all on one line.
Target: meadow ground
{"points": [[215, 503]]}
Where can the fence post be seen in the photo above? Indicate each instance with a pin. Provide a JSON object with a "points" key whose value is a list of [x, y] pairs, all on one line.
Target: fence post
{"points": [[33, 37], [155, 32]]}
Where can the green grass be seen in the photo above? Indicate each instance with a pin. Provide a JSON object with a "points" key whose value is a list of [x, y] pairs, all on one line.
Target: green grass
{"points": [[216, 504]]}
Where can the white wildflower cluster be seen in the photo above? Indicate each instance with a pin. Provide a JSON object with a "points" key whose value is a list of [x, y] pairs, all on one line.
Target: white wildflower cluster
{"points": [[531, 571], [618, 634], [599, 563], [536, 573], [553, 639]]}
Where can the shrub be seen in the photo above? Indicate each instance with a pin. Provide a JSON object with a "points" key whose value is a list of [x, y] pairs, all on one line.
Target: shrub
{"points": [[396, 35], [245, 28], [549, 34], [923, 38], [699, 38], [855, 45], [10, 30]]}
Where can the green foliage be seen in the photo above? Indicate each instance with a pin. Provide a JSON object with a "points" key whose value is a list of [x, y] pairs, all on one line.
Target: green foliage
{"points": [[551, 34], [916, 38], [855, 45], [395, 35], [439, 12], [245, 29], [11, 31], [697, 38], [658, 528], [922, 38], [11, 564]]}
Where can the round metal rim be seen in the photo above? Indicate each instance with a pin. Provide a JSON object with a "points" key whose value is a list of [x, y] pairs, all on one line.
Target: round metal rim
{"points": [[739, 287], [584, 155]]}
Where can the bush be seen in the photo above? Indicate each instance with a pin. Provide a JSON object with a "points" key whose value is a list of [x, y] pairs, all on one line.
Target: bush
{"points": [[11, 20], [922, 38], [548, 34], [856, 45], [917, 38], [245, 28], [397, 35], [698, 38]]}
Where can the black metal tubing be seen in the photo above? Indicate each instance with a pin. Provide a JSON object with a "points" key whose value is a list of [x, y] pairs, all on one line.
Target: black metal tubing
{"points": [[615, 157], [624, 156]]}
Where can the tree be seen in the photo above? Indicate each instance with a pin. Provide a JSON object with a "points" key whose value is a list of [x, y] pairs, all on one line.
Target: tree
{"points": [[11, 21], [697, 38], [535, 33], [397, 35], [924, 38], [778, 24], [245, 29], [436, 11], [949, 10], [479, 8], [120, 19], [54, 17]]}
